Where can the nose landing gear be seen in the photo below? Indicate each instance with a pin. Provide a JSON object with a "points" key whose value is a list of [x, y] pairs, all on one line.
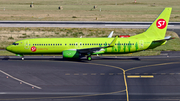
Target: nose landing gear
{"points": [[22, 56]]}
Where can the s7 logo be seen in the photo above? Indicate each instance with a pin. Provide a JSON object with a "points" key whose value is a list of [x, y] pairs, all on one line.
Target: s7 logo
{"points": [[161, 23]]}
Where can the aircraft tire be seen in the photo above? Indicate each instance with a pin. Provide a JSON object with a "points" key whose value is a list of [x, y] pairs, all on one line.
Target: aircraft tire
{"points": [[89, 58]]}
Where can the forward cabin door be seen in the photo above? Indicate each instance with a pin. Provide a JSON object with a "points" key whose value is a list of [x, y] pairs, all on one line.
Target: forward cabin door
{"points": [[26, 44]]}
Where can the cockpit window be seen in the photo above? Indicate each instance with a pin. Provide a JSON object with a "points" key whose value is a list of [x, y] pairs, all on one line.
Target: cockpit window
{"points": [[15, 44]]}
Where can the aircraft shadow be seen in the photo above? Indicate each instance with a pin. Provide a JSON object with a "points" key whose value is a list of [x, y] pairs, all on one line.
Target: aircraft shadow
{"points": [[77, 60]]}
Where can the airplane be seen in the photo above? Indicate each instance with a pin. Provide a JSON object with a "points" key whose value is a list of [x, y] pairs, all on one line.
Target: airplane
{"points": [[76, 48]]}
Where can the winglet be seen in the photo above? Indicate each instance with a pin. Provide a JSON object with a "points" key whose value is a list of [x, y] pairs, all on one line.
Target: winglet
{"points": [[110, 35], [113, 42]]}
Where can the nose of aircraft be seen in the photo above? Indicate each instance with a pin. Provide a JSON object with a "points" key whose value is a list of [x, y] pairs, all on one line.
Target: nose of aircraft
{"points": [[8, 48]]}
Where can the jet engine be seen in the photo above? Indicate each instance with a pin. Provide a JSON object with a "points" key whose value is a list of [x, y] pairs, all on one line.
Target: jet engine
{"points": [[71, 54]]}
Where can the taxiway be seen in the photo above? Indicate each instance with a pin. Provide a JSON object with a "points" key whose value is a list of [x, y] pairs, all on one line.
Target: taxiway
{"points": [[104, 78]]}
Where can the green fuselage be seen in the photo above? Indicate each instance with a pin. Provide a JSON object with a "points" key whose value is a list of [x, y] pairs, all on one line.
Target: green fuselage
{"points": [[58, 45]]}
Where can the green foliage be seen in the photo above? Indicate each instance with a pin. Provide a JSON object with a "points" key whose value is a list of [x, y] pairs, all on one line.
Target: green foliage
{"points": [[24, 34], [74, 17], [27, 29], [81, 33], [37, 36], [11, 38], [56, 32]]}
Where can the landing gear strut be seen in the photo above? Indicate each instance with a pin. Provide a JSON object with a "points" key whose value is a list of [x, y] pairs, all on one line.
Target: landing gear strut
{"points": [[22, 57]]}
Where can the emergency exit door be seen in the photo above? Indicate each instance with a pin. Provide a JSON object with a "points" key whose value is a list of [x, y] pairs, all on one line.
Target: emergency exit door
{"points": [[26, 44]]}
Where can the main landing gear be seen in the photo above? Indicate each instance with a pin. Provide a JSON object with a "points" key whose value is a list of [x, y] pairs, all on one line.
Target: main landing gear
{"points": [[89, 57]]}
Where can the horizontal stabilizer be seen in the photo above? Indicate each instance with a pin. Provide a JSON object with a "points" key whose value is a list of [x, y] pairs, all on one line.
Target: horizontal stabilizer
{"points": [[166, 38]]}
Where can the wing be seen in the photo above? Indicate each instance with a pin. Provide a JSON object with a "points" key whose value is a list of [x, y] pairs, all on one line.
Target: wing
{"points": [[96, 50]]}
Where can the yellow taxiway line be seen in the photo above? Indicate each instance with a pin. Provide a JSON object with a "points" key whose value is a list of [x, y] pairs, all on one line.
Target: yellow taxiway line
{"points": [[140, 76]]}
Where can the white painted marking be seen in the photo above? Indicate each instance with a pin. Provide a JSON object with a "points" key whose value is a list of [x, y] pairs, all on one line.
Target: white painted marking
{"points": [[20, 80], [132, 25]]}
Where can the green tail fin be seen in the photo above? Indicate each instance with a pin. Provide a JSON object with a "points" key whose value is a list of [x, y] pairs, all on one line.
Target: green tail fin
{"points": [[158, 28]]}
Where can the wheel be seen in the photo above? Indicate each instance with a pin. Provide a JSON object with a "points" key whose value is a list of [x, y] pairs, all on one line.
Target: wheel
{"points": [[89, 58]]}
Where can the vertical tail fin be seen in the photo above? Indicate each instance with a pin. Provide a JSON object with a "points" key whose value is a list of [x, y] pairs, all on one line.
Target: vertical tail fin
{"points": [[158, 28]]}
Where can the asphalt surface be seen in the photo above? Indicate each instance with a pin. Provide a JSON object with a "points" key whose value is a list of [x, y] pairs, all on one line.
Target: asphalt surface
{"points": [[48, 78], [83, 24]]}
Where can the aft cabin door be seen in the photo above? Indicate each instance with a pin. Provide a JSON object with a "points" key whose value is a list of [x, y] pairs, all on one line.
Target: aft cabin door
{"points": [[141, 44], [26, 45]]}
